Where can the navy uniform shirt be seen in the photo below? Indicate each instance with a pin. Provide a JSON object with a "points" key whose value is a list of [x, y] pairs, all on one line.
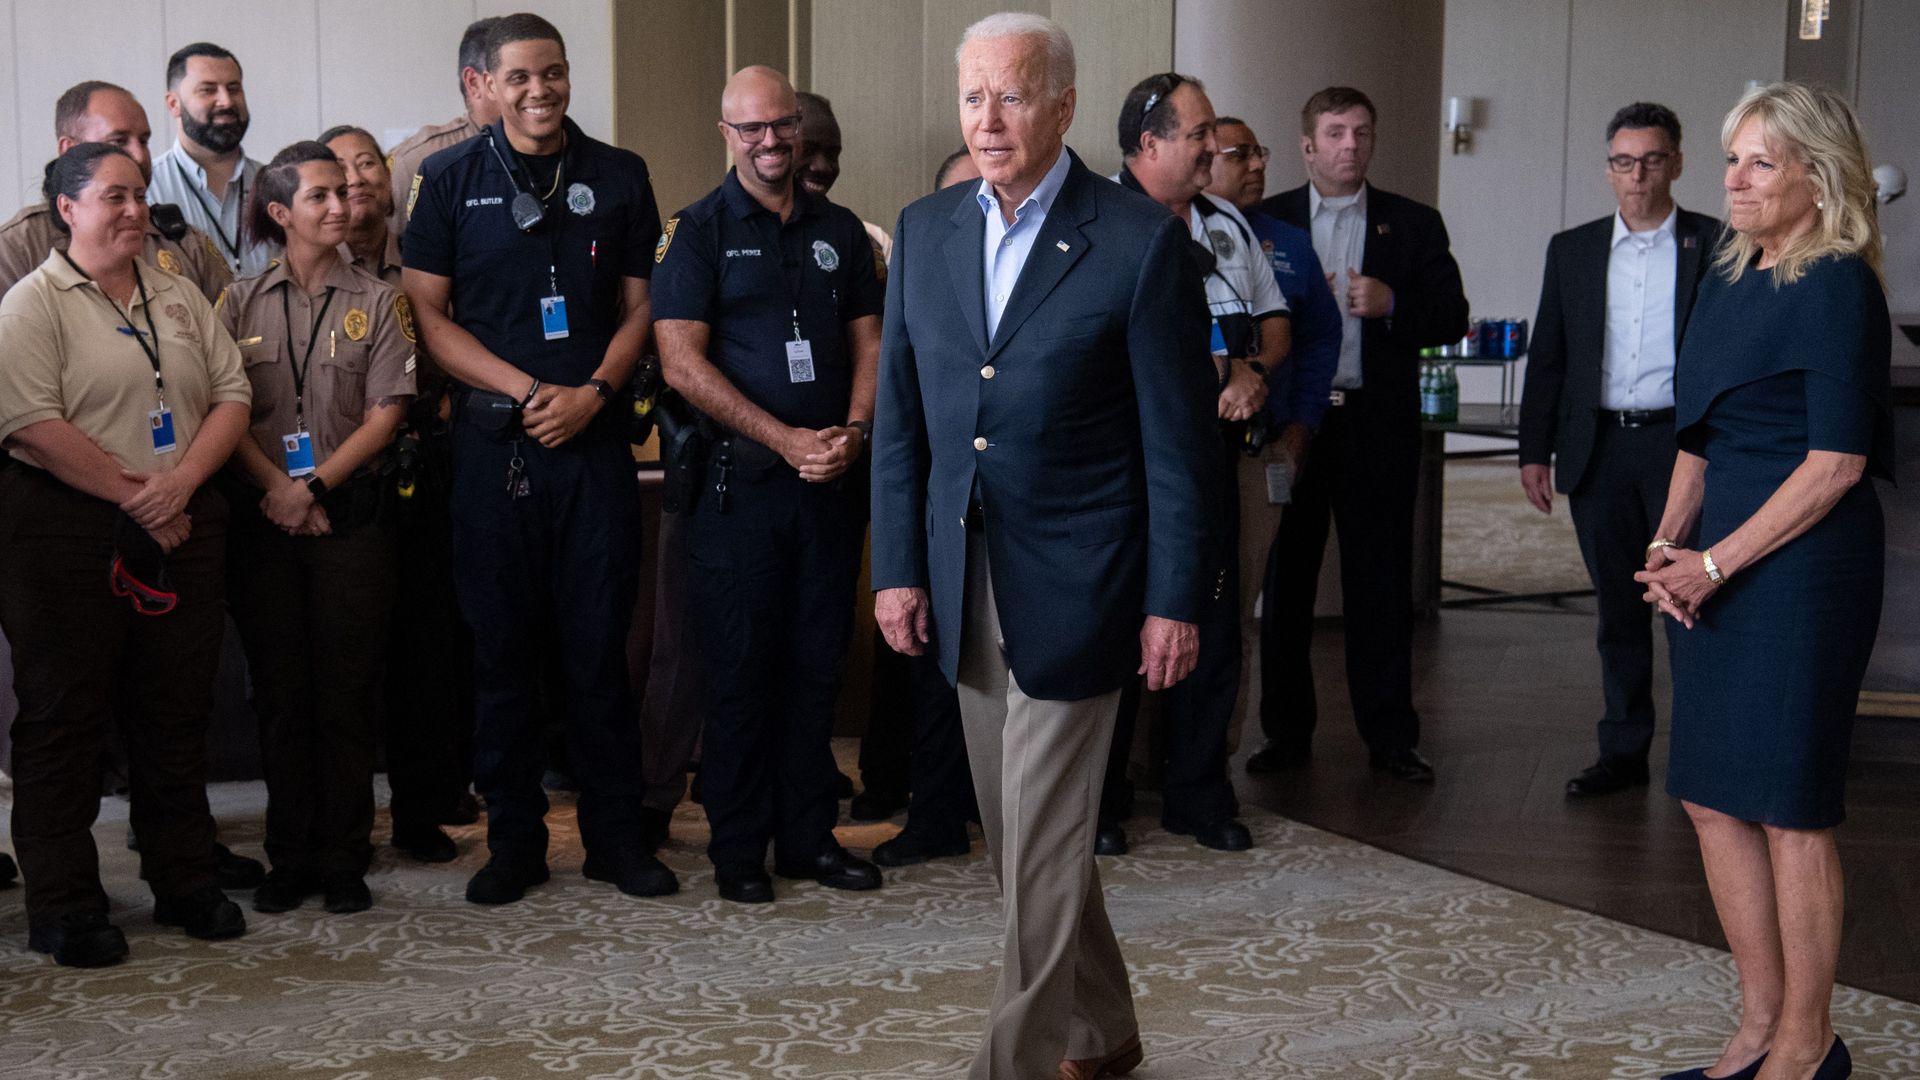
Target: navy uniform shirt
{"points": [[600, 227], [731, 263]]}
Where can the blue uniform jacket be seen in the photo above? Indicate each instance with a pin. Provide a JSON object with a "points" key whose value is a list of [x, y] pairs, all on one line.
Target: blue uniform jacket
{"points": [[1297, 389], [1100, 444]]}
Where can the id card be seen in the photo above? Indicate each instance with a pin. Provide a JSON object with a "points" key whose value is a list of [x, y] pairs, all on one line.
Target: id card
{"points": [[299, 448], [553, 317], [160, 422], [799, 361]]}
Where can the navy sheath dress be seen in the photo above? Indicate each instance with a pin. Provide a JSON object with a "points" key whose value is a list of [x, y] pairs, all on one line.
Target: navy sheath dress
{"points": [[1766, 683]]}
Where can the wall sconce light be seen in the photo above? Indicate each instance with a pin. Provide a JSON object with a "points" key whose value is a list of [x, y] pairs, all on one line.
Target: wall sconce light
{"points": [[1460, 123]]}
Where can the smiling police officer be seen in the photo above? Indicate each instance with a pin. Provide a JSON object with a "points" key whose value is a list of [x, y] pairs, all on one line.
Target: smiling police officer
{"points": [[770, 324], [536, 238]]}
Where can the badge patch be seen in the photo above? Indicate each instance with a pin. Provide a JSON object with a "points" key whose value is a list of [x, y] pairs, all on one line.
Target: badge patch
{"points": [[580, 199], [413, 194], [403, 314], [1222, 243], [825, 257], [666, 239], [167, 262], [179, 313], [355, 324], [218, 300]]}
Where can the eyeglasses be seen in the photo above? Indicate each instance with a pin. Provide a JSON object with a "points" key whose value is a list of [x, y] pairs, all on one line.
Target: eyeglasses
{"points": [[752, 130], [1654, 160], [1246, 152], [1173, 82]]}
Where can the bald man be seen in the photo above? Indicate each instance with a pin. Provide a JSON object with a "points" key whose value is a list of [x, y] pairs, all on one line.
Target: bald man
{"points": [[767, 311], [95, 111]]}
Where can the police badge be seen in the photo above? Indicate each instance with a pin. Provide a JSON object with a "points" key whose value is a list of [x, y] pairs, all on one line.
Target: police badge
{"points": [[825, 257], [355, 324], [1222, 243], [580, 199]]}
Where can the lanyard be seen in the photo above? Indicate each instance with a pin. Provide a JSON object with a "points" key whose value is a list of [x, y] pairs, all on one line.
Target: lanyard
{"points": [[793, 272], [132, 331], [213, 213], [300, 369]]}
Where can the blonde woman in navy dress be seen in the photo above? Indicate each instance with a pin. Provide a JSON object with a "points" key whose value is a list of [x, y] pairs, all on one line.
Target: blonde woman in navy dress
{"points": [[1770, 558]]}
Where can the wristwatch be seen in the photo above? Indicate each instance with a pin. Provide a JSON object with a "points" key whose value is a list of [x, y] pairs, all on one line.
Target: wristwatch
{"points": [[317, 486], [1713, 569], [601, 387], [866, 429]]}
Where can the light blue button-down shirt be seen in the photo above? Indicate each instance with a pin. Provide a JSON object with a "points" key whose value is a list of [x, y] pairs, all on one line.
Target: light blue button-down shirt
{"points": [[1007, 246], [182, 181]]}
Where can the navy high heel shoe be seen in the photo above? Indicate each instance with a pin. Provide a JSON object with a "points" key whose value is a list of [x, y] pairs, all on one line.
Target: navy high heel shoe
{"points": [[1700, 1073], [1837, 1065]]}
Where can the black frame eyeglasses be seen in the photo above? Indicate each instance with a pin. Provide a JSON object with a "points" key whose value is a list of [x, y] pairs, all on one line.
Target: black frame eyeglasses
{"points": [[783, 127], [1654, 160]]}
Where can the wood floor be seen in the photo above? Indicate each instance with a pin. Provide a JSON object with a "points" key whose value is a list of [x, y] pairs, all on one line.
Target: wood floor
{"points": [[1508, 699]]}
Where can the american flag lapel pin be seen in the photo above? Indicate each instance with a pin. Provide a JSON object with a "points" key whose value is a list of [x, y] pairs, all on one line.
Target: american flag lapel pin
{"points": [[1061, 244], [1382, 228], [1688, 242]]}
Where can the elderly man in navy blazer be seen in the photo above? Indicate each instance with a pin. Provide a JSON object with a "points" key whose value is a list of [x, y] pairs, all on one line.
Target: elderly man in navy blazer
{"points": [[1042, 445]]}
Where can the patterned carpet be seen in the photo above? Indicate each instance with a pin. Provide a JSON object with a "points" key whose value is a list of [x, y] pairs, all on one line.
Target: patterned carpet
{"points": [[1493, 537], [1311, 956]]}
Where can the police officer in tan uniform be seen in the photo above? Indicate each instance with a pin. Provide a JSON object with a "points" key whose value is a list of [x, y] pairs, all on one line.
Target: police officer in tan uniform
{"points": [[481, 112], [429, 714], [310, 579], [96, 111]]}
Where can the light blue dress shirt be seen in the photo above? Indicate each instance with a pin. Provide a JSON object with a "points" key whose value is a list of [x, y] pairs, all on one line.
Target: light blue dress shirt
{"points": [[1637, 362], [182, 181], [1007, 246]]}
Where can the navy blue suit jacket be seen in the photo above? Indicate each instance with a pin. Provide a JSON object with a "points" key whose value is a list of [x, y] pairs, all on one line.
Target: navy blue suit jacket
{"points": [[1099, 426]]}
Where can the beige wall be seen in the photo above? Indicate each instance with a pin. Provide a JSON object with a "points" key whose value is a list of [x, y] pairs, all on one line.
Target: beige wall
{"points": [[1261, 60], [1535, 166], [385, 65]]}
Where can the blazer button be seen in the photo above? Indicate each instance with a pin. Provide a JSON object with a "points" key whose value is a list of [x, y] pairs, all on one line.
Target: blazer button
{"points": [[987, 372], [980, 442]]}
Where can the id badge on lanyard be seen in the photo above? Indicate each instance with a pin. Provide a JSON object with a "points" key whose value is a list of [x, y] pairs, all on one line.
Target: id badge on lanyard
{"points": [[799, 355], [553, 310], [160, 425]]}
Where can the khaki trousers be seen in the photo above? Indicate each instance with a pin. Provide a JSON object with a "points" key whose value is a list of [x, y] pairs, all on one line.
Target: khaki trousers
{"points": [[1259, 522], [1037, 768]]}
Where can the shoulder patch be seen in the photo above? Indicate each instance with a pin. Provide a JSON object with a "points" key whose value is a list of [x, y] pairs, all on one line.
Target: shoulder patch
{"points": [[403, 314], [666, 239], [218, 300], [355, 324], [413, 194]]}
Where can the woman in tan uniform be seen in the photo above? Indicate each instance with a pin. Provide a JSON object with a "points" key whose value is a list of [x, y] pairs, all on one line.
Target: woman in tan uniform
{"points": [[120, 396], [328, 353]]}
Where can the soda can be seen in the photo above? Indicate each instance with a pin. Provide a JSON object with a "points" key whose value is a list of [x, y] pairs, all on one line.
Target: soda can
{"points": [[1491, 334], [1513, 338]]}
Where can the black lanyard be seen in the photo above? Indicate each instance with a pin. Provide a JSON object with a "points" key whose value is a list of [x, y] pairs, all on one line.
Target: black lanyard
{"points": [[213, 213], [793, 274], [132, 331], [300, 369]]}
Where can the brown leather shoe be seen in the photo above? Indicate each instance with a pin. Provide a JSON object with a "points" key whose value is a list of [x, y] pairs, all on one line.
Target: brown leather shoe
{"points": [[1122, 1061]]}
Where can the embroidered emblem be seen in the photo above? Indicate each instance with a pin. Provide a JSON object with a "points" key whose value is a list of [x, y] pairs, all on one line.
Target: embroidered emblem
{"points": [[179, 313], [403, 314], [218, 300], [825, 257], [167, 262], [1222, 243], [666, 239], [355, 324], [1382, 229], [580, 199], [413, 194]]}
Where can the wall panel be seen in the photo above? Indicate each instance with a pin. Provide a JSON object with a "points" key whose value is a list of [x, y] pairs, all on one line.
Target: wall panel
{"points": [[402, 78], [588, 27], [867, 59], [281, 69], [1116, 43], [672, 66], [123, 46], [14, 177]]}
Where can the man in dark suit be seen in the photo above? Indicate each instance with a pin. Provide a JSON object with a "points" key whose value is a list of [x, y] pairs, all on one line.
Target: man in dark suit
{"points": [[1043, 456], [1599, 401], [1388, 261]]}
